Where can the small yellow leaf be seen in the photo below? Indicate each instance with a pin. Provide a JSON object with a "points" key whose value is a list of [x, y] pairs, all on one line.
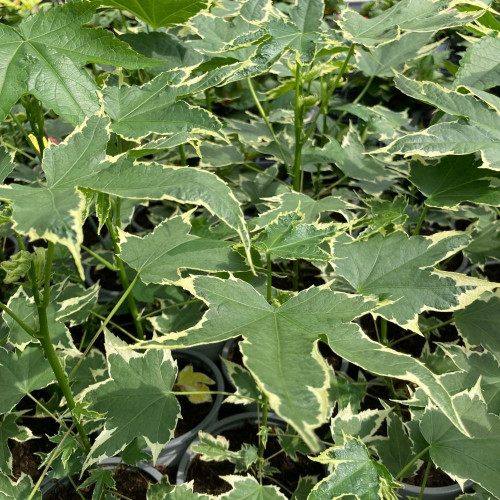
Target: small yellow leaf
{"points": [[190, 381]]}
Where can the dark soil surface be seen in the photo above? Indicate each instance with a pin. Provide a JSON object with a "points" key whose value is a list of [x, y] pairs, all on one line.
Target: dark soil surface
{"points": [[24, 460], [436, 478], [130, 482], [206, 475]]}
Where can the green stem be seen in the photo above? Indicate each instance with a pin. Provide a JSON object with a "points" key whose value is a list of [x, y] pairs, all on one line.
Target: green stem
{"points": [[100, 259], [262, 444], [114, 325], [126, 283], [166, 308], [439, 325], [103, 326], [424, 481], [40, 123], [410, 464], [18, 320], [47, 411], [383, 331], [269, 278], [266, 120], [263, 172], [48, 348], [182, 153], [365, 89], [421, 220], [331, 91], [17, 150], [25, 134], [298, 126], [295, 275]]}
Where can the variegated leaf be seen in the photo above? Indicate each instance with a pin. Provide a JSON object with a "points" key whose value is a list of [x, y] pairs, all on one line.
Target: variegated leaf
{"points": [[400, 269], [10, 430], [14, 490], [135, 398]]}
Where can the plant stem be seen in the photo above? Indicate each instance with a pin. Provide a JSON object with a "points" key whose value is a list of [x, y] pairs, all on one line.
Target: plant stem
{"points": [[171, 306], [114, 325], [262, 443], [424, 481], [266, 120], [269, 277], [298, 126], [97, 257], [17, 150], [126, 283], [49, 463], [439, 325], [182, 153], [421, 220], [47, 411], [25, 134], [410, 464], [48, 348], [331, 91], [18, 320], [365, 89], [103, 326], [383, 331]]}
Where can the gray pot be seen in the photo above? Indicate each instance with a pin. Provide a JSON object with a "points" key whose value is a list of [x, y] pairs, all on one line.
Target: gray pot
{"points": [[211, 351], [109, 463], [233, 422], [171, 455], [439, 493]]}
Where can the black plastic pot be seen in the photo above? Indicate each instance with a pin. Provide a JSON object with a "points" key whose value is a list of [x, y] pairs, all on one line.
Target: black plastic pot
{"points": [[233, 422], [105, 295], [172, 453], [110, 463], [439, 493]]}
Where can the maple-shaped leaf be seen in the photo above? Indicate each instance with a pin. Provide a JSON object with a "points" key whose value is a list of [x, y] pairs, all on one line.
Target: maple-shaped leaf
{"points": [[10, 430], [289, 237], [455, 180], [14, 490], [407, 15], [401, 269], [20, 374], [476, 127], [56, 209], [310, 208], [45, 55], [160, 13], [136, 398], [280, 346], [355, 472], [162, 254], [190, 381], [154, 108]]}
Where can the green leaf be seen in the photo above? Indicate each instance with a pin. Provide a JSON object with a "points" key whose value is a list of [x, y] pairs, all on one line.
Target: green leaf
{"points": [[401, 269], [485, 242], [153, 108], [356, 473], [374, 177], [165, 142], [477, 129], [310, 208], [16, 267], [26, 309], [245, 384], [6, 163], [216, 449], [160, 256], [455, 180], [395, 451], [478, 324], [385, 215], [20, 374], [407, 15], [247, 488], [75, 302], [152, 181], [92, 369], [55, 211], [299, 397], [479, 458], [102, 479], [45, 56], [384, 60], [135, 398], [480, 65], [289, 237], [290, 444], [307, 15], [304, 487], [160, 13], [15, 490], [10, 430], [220, 155], [362, 425]]}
